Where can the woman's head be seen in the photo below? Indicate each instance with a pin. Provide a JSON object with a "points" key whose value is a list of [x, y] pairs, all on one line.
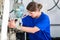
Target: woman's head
{"points": [[34, 8]]}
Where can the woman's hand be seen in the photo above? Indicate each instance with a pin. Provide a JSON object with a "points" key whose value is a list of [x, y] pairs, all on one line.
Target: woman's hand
{"points": [[11, 24]]}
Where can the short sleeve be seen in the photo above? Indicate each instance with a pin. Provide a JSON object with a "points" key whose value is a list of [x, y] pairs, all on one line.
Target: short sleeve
{"points": [[45, 23], [27, 21]]}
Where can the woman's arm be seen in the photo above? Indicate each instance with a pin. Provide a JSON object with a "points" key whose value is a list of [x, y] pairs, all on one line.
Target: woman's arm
{"points": [[30, 29]]}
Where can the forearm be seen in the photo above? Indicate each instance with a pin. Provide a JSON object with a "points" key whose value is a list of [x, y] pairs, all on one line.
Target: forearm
{"points": [[30, 29]]}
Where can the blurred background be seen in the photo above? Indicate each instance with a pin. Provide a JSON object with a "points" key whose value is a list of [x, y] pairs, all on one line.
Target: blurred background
{"points": [[1, 14]]}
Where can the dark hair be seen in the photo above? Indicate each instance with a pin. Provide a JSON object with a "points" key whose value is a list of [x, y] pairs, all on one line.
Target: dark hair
{"points": [[33, 6]]}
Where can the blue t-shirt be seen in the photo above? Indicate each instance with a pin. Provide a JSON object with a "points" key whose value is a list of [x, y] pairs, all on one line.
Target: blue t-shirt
{"points": [[43, 23]]}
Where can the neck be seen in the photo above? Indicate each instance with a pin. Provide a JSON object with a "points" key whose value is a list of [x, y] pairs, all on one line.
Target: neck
{"points": [[39, 13]]}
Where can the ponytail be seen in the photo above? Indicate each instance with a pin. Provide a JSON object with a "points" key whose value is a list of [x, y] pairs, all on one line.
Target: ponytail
{"points": [[39, 6]]}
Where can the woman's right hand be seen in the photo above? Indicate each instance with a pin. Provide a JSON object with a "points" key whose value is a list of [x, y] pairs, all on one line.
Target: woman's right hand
{"points": [[11, 24]]}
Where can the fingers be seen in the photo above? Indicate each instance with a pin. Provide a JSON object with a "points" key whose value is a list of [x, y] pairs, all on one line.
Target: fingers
{"points": [[11, 24]]}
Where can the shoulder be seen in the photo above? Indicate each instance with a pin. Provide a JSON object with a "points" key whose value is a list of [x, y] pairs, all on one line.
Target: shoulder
{"points": [[45, 15], [27, 18]]}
